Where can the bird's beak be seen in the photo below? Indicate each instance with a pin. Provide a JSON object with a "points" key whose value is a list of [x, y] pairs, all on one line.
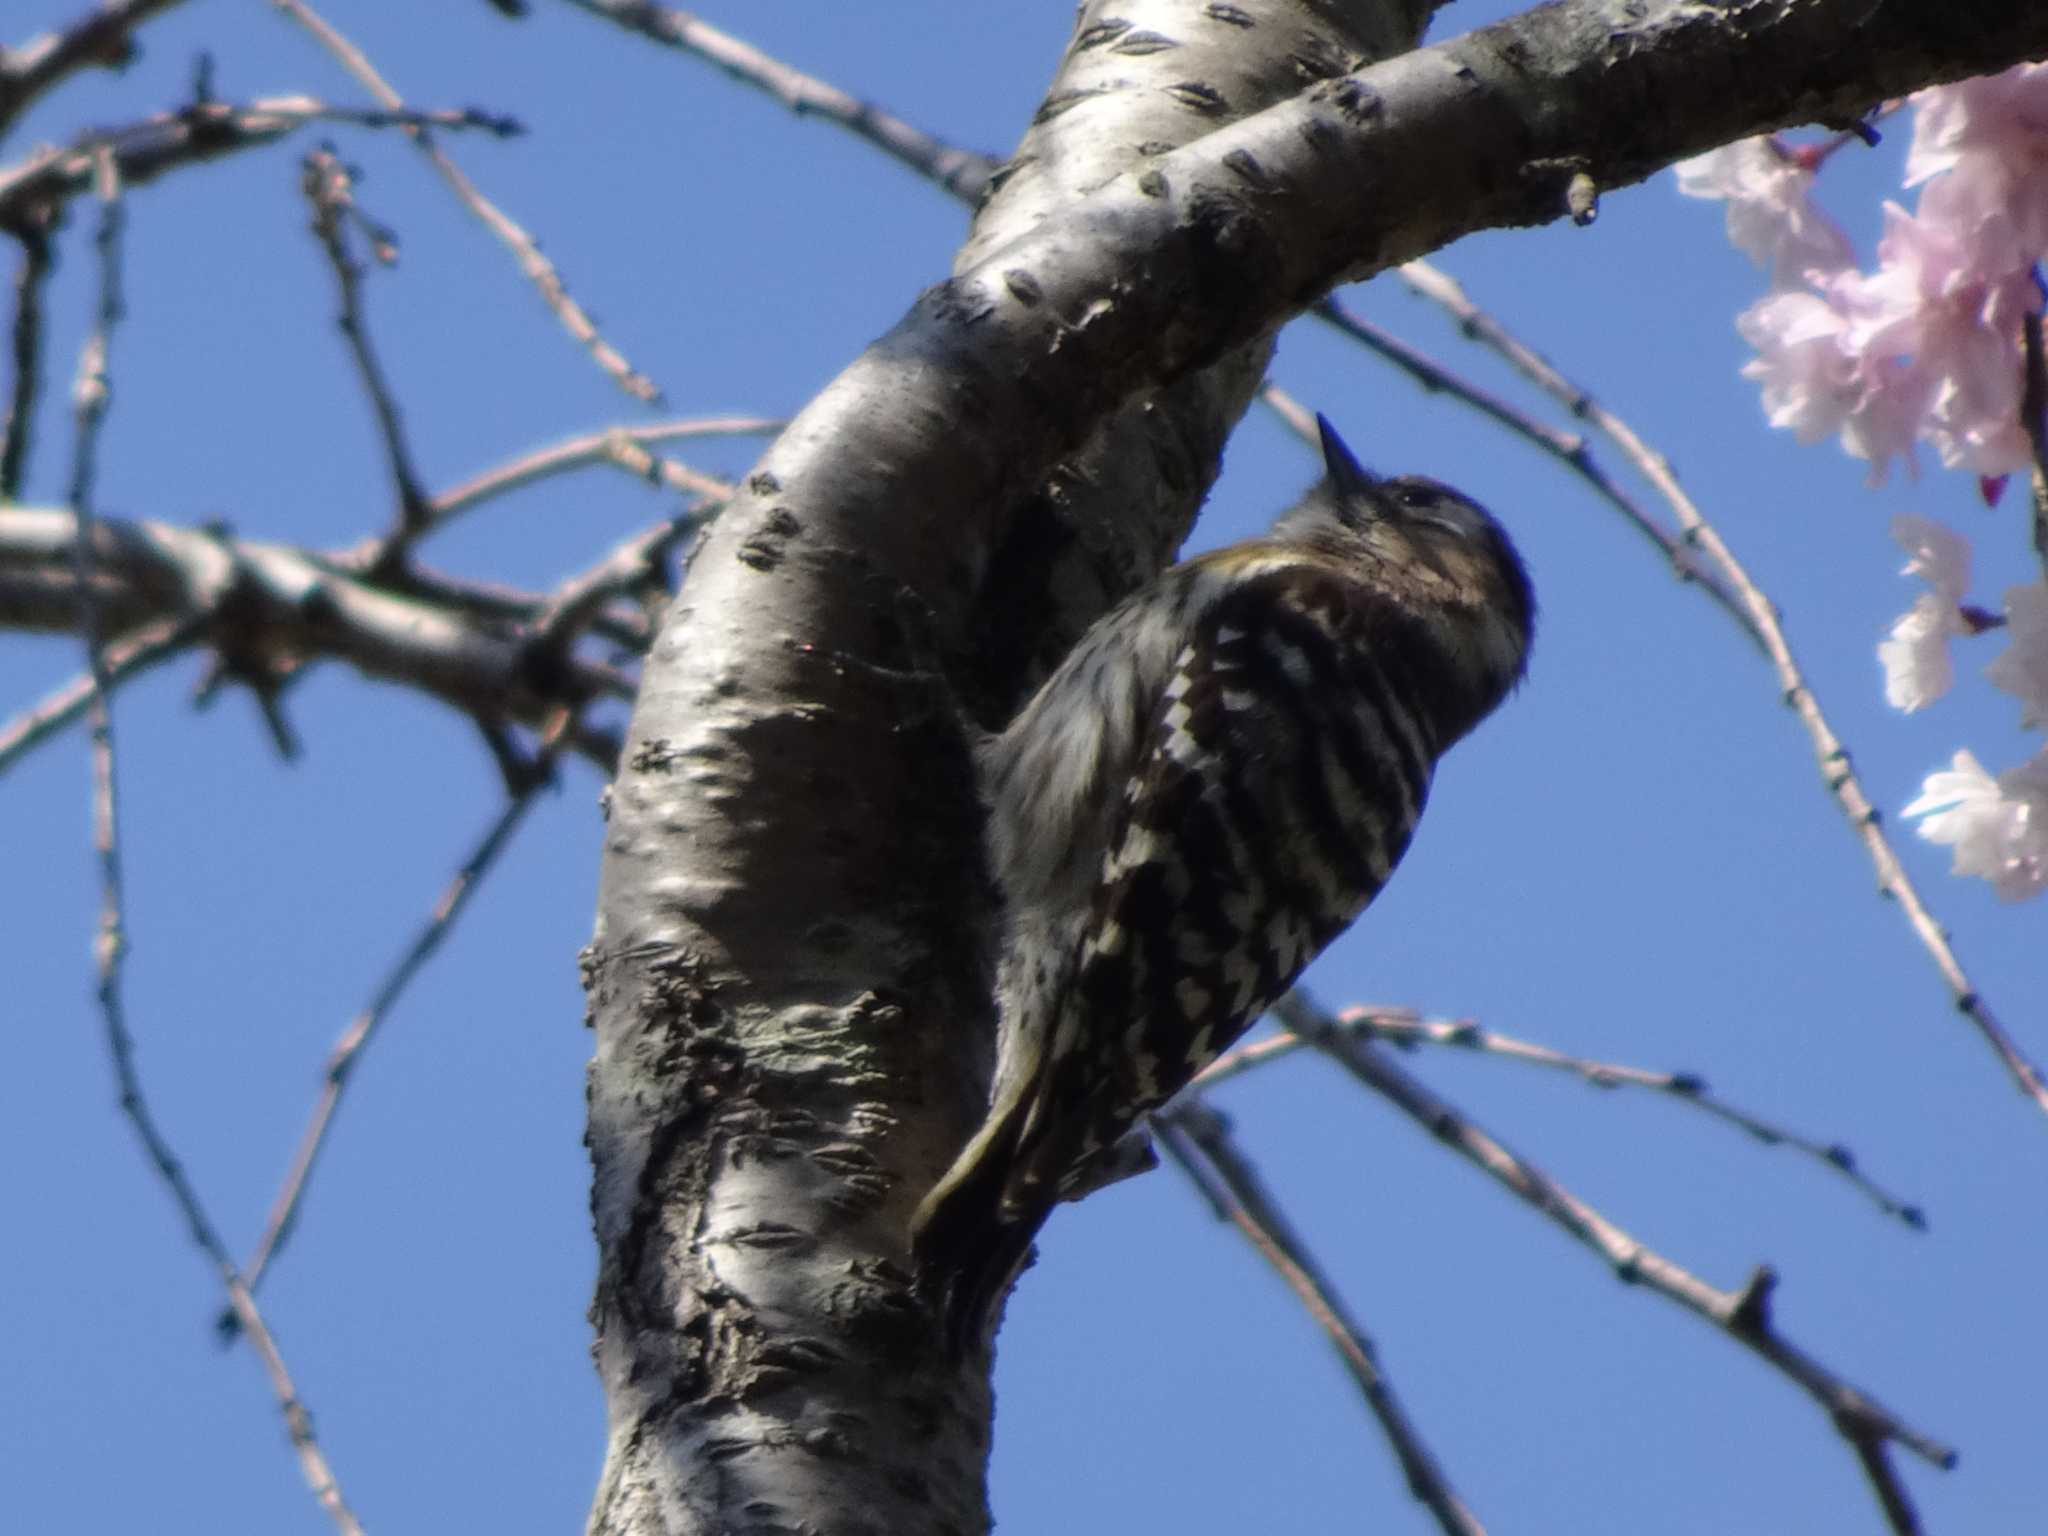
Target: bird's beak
{"points": [[1351, 478]]}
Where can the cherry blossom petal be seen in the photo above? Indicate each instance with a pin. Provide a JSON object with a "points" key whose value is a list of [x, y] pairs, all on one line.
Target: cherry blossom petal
{"points": [[1917, 668], [1998, 827], [1772, 217], [2022, 668], [1936, 554]]}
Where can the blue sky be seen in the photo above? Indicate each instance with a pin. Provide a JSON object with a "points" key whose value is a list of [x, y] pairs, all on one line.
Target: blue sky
{"points": [[1634, 861]]}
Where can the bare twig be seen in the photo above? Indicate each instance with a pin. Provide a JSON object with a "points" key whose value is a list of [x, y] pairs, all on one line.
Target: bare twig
{"points": [[150, 575], [635, 562], [538, 269], [329, 187], [962, 172], [19, 421], [122, 659], [1437, 379], [1743, 1315], [1833, 758], [1192, 1134], [626, 447], [1405, 1028], [201, 131], [348, 1050], [90, 397], [101, 38]]}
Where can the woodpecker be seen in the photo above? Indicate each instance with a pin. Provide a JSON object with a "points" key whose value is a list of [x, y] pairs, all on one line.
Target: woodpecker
{"points": [[1216, 780]]}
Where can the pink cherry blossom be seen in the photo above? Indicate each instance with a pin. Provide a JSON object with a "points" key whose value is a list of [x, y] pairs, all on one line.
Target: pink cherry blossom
{"points": [[2022, 668], [1772, 217], [1987, 142], [1928, 306], [1817, 382], [1927, 345]]}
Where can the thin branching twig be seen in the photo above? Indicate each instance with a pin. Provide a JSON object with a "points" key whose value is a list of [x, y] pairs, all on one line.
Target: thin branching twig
{"points": [[90, 397], [329, 186], [634, 563], [962, 172], [1406, 1028], [626, 447], [1197, 1139], [1742, 1315], [538, 269], [120, 660], [27, 352], [199, 131], [355, 1040], [1833, 758]]}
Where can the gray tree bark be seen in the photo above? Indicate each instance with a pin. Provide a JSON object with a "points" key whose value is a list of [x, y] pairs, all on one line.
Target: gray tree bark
{"points": [[789, 975]]}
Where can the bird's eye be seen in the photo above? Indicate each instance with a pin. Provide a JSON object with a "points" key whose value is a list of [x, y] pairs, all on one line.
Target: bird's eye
{"points": [[1426, 505]]}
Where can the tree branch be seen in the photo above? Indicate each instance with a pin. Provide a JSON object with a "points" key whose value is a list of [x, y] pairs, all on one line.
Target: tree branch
{"points": [[15, 426], [1194, 1133], [541, 272], [329, 186], [1407, 1029], [961, 172], [271, 608], [348, 1051], [103, 38], [128, 656], [1743, 1315], [205, 130], [91, 396], [625, 447], [2034, 419]]}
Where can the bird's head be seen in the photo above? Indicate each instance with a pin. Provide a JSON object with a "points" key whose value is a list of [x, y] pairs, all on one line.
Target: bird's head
{"points": [[1429, 547]]}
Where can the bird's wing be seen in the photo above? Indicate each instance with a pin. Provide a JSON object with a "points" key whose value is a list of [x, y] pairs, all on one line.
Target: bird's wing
{"points": [[1279, 787]]}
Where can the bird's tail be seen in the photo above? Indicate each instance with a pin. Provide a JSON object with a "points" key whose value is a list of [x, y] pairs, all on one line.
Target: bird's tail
{"points": [[973, 1232]]}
